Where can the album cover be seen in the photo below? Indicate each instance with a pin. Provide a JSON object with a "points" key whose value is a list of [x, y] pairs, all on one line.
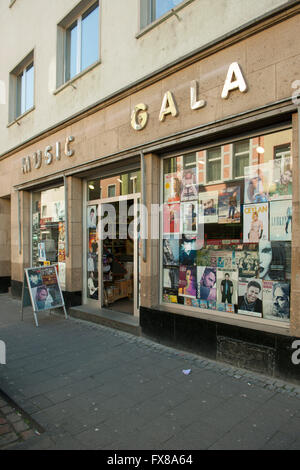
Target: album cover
{"points": [[188, 249], [250, 297], [229, 205], [281, 220], [211, 304], [208, 207], [256, 222], [171, 279], [248, 263], [224, 259], [274, 265]]}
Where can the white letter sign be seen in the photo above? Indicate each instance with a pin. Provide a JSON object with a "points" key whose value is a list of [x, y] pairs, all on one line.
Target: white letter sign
{"points": [[194, 103], [234, 80], [168, 106]]}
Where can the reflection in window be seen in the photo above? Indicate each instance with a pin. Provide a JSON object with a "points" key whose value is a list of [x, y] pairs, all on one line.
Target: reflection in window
{"points": [[119, 185], [240, 158], [213, 164], [25, 90]]}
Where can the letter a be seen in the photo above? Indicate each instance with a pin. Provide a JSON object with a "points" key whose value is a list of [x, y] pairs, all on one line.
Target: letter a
{"points": [[234, 80], [168, 106]]}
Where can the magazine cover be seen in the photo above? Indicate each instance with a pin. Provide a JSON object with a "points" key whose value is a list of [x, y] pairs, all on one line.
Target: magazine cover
{"points": [[203, 304], [276, 300], [229, 205], [211, 304], [188, 248], [248, 263], [92, 217], [187, 281], [203, 257], [171, 251], [273, 263], [208, 207], [171, 279], [257, 183], [256, 222], [189, 186], [189, 218], [230, 308], [281, 220], [250, 297], [206, 283], [171, 216], [227, 286], [191, 302], [282, 183], [225, 259], [172, 188]]}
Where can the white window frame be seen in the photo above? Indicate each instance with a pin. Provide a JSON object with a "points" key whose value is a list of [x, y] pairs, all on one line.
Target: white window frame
{"points": [[17, 95], [147, 20], [109, 187], [239, 154], [213, 160]]}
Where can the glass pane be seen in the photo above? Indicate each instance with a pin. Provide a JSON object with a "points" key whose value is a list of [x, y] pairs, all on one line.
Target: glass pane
{"points": [[214, 171], [214, 153], [92, 259], [29, 90], [94, 190], [71, 52], [90, 38], [111, 191], [239, 165], [241, 146], [189, 161], [162, 6]]}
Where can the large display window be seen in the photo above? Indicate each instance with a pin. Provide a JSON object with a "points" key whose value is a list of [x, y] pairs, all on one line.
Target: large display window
{"points": [[48, 230], [227, 228]]}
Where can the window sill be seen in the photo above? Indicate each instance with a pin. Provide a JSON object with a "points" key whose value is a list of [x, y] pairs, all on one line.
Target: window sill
{"points": [[16, 120], [260, 324], [163, 18], [74, 79]]}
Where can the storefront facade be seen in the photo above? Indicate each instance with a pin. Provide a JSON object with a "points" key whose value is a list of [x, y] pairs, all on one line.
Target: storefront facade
{"points": [[210, 147]]}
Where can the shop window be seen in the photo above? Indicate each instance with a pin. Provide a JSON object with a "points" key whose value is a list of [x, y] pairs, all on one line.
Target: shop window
{"points": [[227, 246], [48, 229], [213, 164], [151, 10], [78, 35], [22, 88], [241, 152], [111, 190]]}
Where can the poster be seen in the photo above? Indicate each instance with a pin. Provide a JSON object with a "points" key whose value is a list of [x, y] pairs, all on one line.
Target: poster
{"points": [[171, 279], [273, 263], [257, 183], [225, 259], [44, 288], [227, 286], [171, 218], [248, 263], [256, 222], [281, 220], [206, 283], [172, 188], [282, 183], [171, 251], [187, 281], [42, 251], [250, 297], [189, 218], [188, 249], [229, 205], [189, 186], [92, 217], [276, 300], [203, 257], [208, 207]]}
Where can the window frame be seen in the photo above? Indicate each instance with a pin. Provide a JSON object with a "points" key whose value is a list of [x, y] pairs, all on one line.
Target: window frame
{"points": [[219, 159], [146, 10], [15, 90], [240, 154]]}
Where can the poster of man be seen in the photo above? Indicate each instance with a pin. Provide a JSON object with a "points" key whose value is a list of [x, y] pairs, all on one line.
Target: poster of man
{"points": [[257, 183], [229, 205], [171, 251], [206, 283], [256, 222], [92, 217], [227, 283], [250, 297], [208, 207], [276, 300]]}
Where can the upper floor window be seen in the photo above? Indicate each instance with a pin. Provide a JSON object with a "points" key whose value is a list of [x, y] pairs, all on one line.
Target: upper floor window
{"points": [[22, 88], [151, 10], [241, 158], [214, 164], [82, 42]]}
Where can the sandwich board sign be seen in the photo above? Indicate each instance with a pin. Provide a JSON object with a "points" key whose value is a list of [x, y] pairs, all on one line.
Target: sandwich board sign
{"points": [[41, 289]]}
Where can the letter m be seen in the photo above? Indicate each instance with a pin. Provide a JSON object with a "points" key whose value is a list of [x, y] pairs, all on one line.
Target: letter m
{"points": [[2, 352]]}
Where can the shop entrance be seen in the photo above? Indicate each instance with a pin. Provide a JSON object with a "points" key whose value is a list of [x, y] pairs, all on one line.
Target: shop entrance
{"points": [[113, 267]]}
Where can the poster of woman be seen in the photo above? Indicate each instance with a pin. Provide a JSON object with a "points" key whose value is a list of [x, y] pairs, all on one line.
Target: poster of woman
{"points": [[256, 226], [187, 281], [171, 216], [172, 188], [257, 183]]}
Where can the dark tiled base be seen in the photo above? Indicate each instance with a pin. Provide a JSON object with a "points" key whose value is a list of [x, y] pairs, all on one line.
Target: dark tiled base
{"points": [[266, 353], [4, 284]]}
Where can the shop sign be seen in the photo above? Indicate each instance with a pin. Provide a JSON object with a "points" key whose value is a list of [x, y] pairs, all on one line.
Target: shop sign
{"points": [[234, 81], [35, 161]]}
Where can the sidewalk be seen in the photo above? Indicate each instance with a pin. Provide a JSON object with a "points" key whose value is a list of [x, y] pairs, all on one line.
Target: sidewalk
{"points": [[91, 387]]}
